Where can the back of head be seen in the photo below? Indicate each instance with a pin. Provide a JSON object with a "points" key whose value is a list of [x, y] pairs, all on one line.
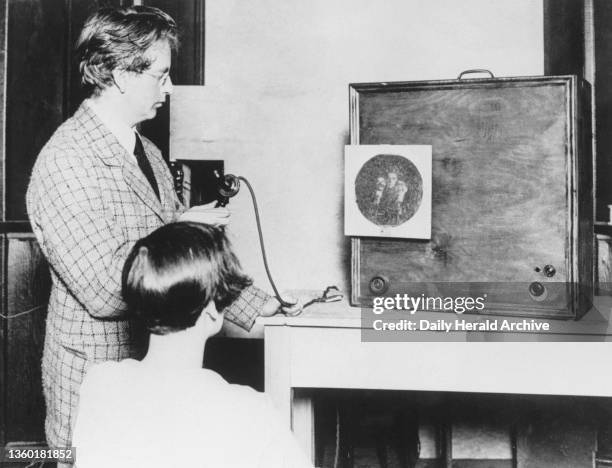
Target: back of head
{"points": [[174, 272], [118, 38]]}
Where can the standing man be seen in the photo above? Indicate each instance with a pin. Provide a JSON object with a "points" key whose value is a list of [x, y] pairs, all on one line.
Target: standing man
{"points": [[96, 188]]}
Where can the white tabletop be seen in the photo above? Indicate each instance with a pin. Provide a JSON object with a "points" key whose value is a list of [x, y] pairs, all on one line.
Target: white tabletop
{"points": [[594, 326]]}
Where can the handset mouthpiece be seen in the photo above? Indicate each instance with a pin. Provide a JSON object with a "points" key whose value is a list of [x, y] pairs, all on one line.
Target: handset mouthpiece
{"points": [[229, 184]]}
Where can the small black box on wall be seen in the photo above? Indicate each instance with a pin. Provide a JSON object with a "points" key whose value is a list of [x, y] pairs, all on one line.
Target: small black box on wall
{"points": [[196, 181]]}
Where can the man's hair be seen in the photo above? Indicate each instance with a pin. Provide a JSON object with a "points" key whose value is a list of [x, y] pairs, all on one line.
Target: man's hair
{"points": [[118, 38], [174, 272]]}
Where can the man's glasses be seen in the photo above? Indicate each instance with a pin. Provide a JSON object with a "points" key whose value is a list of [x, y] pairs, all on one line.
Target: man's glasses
{"points": [[162, 79]]}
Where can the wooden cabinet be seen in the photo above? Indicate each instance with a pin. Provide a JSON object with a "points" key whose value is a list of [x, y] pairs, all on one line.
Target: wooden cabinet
{"points": [[512, 202]]}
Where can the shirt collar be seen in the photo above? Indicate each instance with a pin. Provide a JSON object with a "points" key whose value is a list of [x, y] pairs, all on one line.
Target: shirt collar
{"points": [[126, 136]]}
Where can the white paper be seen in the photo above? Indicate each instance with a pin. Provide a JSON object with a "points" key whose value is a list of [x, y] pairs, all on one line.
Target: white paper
{"points": [[387, 191]]}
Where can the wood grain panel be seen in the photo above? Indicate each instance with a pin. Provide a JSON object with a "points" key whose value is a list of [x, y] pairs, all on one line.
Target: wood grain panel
{"points": [[3, 343], [503, 179], [3, 31], [564, 37], [603, 110], [585, 202], [27, 289], [604, 264], [35, 81]]}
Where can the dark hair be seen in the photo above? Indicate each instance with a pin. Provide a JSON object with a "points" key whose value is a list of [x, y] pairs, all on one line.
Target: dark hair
{"points": [[174, 272], [119, 38]]}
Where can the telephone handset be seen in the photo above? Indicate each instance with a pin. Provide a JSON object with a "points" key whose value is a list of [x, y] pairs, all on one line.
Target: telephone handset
{"points": [[228, 186]]}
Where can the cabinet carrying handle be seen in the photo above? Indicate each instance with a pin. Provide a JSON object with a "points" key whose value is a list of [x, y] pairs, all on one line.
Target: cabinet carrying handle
{"points": [[475, 70]]}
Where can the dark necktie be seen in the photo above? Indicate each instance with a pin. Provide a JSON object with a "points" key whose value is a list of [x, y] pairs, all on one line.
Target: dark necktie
{"points": [[145, 165]]}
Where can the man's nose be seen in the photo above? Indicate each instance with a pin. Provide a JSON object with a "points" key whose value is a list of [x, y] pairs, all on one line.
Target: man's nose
{"points": [[168, 87]]}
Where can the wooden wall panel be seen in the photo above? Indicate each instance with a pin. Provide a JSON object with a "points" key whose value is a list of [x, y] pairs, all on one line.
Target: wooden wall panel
{"points": [[564, 37], [603, 109], [27, 289], [3, 344], [3, 31], [35, 84], [3, 324]]}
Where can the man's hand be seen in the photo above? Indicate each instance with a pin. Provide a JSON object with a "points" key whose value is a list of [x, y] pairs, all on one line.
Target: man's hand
{"points": [[207, 214]]}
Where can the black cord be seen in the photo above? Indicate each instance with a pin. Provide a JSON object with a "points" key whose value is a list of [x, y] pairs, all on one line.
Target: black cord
{"points": [[261, 243]]}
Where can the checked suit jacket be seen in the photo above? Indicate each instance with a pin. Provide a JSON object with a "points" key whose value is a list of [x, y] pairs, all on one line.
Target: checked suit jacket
{"points": [[88, 203]]}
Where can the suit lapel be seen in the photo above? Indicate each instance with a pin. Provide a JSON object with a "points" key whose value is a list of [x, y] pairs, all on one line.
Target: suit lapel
{"points": [[110, 151], [140, 185]]}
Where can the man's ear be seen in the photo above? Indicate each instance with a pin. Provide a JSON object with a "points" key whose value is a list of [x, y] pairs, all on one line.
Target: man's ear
{"points": [[212, 312], [120, 79], [212, 319]]}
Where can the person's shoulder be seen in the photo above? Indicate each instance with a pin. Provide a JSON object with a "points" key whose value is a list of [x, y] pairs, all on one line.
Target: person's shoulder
{"points": [[108, 370], [69, 151], [67, 143], [71, 132]]}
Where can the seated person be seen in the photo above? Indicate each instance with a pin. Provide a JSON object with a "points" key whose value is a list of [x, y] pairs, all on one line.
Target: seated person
{"points": [[166, 410]]}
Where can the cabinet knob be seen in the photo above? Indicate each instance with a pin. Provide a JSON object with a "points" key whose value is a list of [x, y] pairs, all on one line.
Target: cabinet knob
{"points": [[379, 284], [549, 271], [536, 289]]}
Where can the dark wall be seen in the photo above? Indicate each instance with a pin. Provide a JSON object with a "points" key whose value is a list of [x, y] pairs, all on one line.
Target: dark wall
{"points": [[603, 104], [35, 90], [564, 37], [564, 53]]}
